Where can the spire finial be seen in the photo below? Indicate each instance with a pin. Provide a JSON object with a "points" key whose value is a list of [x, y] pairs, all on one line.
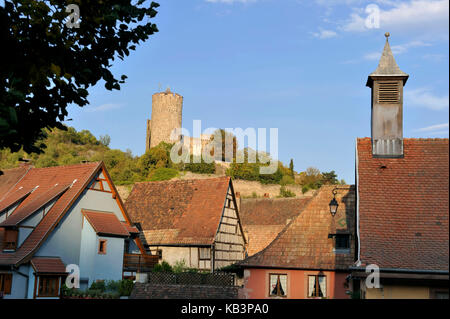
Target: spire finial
{"points": [[387, 34]]}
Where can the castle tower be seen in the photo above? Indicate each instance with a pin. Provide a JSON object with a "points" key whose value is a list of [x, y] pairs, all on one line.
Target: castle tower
{"points": [[386, 83], [166, 116]]}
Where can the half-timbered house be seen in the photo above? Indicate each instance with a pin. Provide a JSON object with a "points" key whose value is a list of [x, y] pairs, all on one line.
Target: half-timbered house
{"points": [[58, 216], [191, 221]]}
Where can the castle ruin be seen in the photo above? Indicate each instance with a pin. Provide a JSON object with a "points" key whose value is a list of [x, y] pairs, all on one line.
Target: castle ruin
{"points": [[167, 110]]}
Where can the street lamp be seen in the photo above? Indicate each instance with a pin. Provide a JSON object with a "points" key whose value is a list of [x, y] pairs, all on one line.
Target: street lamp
{"points": [[334, 204]]}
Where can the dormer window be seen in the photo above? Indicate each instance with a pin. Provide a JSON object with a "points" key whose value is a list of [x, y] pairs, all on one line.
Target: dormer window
{"points": [[10, 239]]}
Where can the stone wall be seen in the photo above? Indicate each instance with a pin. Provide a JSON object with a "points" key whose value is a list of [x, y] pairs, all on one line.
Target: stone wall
{"points": [[155, 291], [167, 110], [245, 188]]}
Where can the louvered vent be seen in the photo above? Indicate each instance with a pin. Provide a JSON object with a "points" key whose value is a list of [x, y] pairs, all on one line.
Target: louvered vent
{"points": [[388, 92]]}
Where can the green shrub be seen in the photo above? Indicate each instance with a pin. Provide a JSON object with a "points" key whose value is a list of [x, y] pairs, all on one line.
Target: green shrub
{"points": [[94, 293], [287, 180], [162, 174], [305, 188], [180, 266], [98, 285], [162, 267], [200, 168], [112, 285], [284, 192], [125, 287]]}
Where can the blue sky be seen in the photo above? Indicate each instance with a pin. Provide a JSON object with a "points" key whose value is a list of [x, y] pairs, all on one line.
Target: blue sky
{"points": [[299, 66]]}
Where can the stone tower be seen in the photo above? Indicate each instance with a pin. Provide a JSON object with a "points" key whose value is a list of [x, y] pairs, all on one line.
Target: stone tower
{"points": [[386, 83], [166, 116]]}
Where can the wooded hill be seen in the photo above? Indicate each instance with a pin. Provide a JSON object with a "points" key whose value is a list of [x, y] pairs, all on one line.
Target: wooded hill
{"points": [[66, 147]]}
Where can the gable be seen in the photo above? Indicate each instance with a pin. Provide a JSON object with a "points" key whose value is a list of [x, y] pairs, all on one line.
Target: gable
{"points": [[78, 177]]}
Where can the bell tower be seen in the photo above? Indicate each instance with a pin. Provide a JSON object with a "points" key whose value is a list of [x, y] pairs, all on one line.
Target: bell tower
{"points": [[386, 84]]}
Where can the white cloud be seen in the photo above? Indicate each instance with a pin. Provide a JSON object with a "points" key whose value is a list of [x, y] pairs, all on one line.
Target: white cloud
{"points": [[421, 17], [423, 97], [397, 49], [434, 57], [433, 128], [324, 34], [104, 107]]}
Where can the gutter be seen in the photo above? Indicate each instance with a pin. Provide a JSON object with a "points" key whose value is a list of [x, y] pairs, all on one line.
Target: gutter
{"points": [[404, 270]]}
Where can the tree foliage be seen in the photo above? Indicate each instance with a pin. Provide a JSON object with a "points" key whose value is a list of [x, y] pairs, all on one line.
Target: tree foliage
{"points": [[227, 143], [46, 65]]}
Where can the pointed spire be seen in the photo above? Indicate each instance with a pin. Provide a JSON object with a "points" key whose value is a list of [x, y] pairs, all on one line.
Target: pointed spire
{"points": [[387, 65]]}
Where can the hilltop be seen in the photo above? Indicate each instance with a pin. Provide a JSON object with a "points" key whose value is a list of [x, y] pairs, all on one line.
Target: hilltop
{"points": [[66, 147]]}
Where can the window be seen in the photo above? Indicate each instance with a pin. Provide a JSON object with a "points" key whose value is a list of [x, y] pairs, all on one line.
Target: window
{"points": [[5, 284], [10, 239], [317, 286], [102, 246], [278, 285], [204, 253], [342, 241], [48, 286], [159, 253]]}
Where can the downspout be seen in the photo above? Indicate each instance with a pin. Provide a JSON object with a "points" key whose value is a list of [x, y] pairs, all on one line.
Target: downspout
{"points": [[358, 261], [26, 276], [213, 251]]}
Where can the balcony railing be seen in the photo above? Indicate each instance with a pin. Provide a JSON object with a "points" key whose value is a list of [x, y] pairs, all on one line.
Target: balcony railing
{"points": [[138, 262]]}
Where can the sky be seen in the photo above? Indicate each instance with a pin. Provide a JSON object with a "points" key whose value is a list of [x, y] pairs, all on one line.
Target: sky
{"points": [[296, 65]]}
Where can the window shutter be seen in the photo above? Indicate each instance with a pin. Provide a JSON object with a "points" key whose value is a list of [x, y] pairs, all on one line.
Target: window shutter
{"points": [[5, 283], [388, 92], [10, 239]]}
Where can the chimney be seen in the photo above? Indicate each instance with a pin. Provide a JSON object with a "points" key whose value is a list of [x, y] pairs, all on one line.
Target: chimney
{"points": [[387, 83]]}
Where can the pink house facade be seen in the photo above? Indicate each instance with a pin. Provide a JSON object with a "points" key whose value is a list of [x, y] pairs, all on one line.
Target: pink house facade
{"points": [[310, 258]]}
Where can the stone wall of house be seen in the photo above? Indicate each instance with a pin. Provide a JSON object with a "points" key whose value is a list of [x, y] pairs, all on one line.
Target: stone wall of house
{"points": [[154, 291]]}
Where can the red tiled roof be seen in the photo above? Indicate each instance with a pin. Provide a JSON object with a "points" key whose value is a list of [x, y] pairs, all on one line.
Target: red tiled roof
{"points": [[260, 236], [304, 242], [130, 229], [46, 178], [24, 211], [264, 218], [48, 265], [179, 212], [106, 223], [403, 206], [12, 198], [10, 177], [270, 211]]}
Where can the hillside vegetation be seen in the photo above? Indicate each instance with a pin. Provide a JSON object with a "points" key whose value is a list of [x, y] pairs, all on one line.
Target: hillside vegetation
{"points": [[66, 147]]}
